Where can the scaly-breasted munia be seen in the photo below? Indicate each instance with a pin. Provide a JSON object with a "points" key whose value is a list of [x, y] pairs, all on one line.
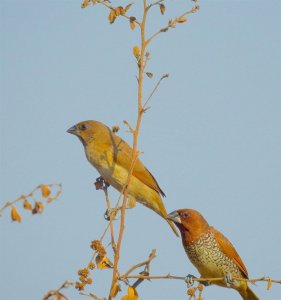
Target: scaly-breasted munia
{"points": [[211, 252], [111, 156]]}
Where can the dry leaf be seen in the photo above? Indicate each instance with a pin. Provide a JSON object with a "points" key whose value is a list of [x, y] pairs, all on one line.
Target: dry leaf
{"points": [[85, 3], [149, 74], [15, 216], [111, 16], [115, 289], [131, 295], [128, 6], [103, 263], [45, 190], [162, 8], [136, 51], [27, 205], [132, 25], [269, 284], [181, 19], [118, 10], [39, 207]]}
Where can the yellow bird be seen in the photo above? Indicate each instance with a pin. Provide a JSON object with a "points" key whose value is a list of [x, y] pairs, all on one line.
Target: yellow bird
{"points": [[111, 156]]}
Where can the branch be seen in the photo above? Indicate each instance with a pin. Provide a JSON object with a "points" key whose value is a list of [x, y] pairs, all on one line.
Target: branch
{"points": [[172, 23], [56, 293], [145, 108]]}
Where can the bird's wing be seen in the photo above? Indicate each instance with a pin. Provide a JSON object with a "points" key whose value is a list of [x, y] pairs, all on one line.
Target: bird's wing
{"points": [[123, 155], [228, 249]]}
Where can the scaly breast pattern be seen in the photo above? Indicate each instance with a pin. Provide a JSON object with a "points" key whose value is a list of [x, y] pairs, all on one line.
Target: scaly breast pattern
{"points": [[210, 261]]}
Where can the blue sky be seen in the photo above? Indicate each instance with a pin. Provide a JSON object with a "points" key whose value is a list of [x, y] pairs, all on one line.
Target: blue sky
{"points": [[211, 137]]}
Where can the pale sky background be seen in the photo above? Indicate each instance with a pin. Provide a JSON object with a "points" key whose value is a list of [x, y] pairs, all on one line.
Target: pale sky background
{"points": [[211, 138]]}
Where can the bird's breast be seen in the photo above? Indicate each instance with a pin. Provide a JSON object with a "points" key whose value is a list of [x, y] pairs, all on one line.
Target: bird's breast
{"points": [[207, 257]]}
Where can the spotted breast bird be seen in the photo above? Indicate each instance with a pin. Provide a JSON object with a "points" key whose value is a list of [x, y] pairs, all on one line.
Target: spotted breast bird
{"points": [[211, 252], [111, 156]]}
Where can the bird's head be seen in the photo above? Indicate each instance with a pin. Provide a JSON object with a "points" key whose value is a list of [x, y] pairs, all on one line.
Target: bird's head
{"points": [[190, 223], [87, 131]]}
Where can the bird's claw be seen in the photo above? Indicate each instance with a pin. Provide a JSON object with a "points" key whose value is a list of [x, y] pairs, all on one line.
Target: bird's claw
{"points": [[229, 280], [110, 212], [189, 280]]}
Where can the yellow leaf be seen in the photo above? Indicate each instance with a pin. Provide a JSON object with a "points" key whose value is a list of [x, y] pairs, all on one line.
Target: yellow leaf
{"points": [[131, 203], [136, 51], [269, 284], [45, 190], [118, 10], [27, 205], [132, 25], [112, 16], [103, 263], [131, 295], [115, 289], [15, 216]]}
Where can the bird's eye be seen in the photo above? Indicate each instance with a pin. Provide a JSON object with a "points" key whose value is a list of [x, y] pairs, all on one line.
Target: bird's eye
{"points": [[185, 215], [83, 127]]}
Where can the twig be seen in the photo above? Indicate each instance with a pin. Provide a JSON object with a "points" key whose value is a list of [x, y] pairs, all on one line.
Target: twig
{"points": [[105, 3], [172, 23], [93, 296], [24, 197], [144, 263], [145, 108], [57, 292], [169, 276]]}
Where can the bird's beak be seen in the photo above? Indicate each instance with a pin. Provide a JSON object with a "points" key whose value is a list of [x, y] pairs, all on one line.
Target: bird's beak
{"points": [[72, 130], [174, 216]]}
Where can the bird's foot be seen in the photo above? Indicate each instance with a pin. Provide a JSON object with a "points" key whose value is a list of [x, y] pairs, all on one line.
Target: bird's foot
{"points": [[229, 281], [205, 282], [110, 213], [101, 184], [189, 280]]}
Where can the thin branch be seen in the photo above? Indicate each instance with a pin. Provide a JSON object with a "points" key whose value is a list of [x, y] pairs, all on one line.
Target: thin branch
{"points": [[172, 23], [31, 194], [169, 276], [57, 292], [105, 3], [144, 263], [145, 108]]}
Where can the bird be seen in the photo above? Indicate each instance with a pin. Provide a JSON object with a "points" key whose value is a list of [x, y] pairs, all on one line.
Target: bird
{"points": [[211, 252], [112, 156]]}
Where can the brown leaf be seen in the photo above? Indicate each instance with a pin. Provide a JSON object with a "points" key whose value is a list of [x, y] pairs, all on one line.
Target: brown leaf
{"points": [[149, 74], [85, 3], [181, 20], [27, 205], [15, 216], [111, 16], [162, 8], [39, 207], [118, 10], [128, 6], [115, 289], [45, 190]]}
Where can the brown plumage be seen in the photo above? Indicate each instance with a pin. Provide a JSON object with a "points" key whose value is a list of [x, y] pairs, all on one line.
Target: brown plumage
{"points": [[210, 251], [111, 156]]}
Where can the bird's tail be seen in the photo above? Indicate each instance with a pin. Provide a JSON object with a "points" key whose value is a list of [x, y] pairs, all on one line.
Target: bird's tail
{"points": [[248, 294]]}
